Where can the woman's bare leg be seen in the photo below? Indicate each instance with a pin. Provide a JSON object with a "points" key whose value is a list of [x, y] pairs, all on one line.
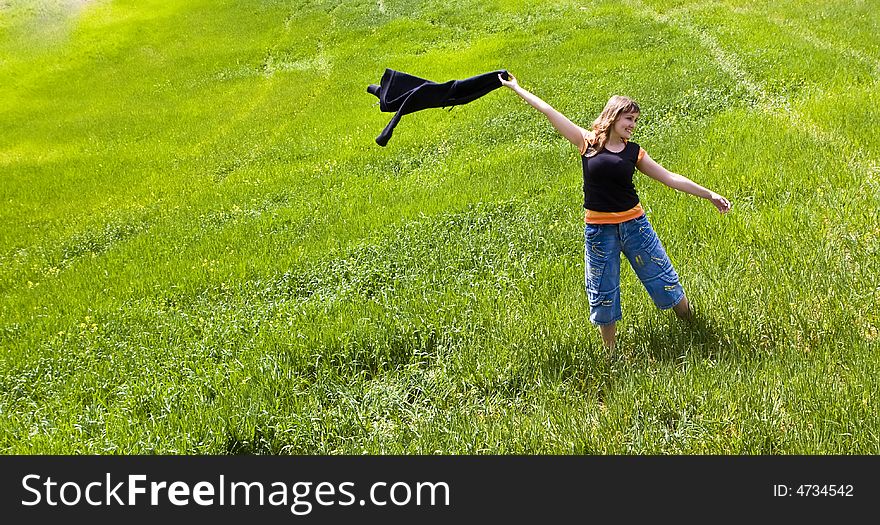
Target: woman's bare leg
{"points": [[683, 309], [609, 332]]}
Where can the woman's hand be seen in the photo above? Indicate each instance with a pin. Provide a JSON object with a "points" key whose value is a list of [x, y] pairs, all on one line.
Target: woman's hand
{"points": [[512, 83], [720, 202]]}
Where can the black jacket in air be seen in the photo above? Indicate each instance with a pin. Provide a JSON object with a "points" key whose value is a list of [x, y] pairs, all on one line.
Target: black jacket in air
{"points": [[405, 94]]}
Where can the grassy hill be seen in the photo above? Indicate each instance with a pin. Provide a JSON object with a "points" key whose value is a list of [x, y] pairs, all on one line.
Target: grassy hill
{"points": [[203, 250]]}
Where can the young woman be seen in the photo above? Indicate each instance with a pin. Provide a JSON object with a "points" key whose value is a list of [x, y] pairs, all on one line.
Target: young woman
{"points": [[615, 220]]}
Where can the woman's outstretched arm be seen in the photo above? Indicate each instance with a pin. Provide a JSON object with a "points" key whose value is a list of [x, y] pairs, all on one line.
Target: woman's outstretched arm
{"points": [[651, 168], [568, 129]]}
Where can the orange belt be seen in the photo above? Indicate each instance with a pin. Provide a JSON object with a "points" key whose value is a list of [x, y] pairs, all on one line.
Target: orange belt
{"points": [[613, 217]]}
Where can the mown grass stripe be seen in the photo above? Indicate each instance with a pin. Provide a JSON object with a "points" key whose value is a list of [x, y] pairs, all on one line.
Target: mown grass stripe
{"points": [[858, 159]]}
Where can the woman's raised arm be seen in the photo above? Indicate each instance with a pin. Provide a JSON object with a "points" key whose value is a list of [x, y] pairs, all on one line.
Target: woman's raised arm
{"points": [[568, 129]]}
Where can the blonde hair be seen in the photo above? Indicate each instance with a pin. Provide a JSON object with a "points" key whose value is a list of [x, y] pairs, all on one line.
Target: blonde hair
{"points": [[616, 106]]}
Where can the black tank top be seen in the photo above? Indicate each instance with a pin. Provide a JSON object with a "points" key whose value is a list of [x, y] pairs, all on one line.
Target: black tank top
{"points": [[608, 179]]}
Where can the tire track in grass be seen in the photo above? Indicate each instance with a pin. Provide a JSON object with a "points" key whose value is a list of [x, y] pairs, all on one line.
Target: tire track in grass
{"points": [[808, 36], [772, 105], [256, 101], [871, 169], [799, 29], [266, 69]]}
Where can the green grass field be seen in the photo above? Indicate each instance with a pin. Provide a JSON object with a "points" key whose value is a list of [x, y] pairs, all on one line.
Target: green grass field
{"points": [[203, 250]]}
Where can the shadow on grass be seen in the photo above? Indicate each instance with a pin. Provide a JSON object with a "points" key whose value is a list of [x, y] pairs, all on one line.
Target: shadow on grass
{"points": [[583, 362], [701, 337]]}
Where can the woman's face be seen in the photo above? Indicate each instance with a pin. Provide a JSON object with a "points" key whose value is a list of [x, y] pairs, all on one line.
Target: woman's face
{"points": [[625, 125]]}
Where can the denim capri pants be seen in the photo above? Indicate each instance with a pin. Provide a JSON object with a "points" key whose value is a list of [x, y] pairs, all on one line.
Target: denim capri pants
{"points": [[638, 241]]}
